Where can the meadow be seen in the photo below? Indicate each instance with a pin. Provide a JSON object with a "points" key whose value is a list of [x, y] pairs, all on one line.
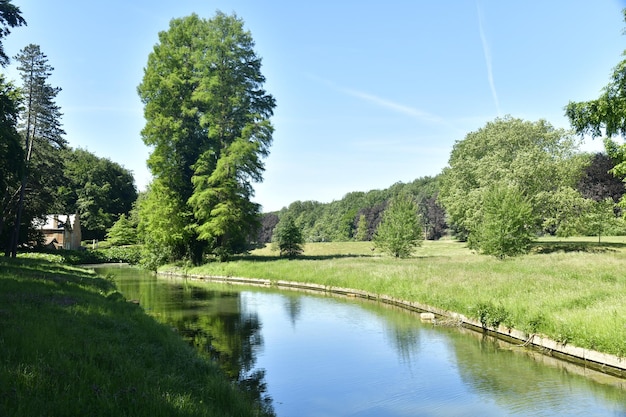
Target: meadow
{"points": [[71, 345], [571, 290]]}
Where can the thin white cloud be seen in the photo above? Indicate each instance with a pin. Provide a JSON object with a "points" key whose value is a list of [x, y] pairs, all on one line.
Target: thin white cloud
{"points": [[383, 102], [487, 54], [396, 107]]}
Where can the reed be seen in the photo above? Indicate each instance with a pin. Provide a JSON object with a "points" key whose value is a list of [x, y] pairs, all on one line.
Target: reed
{"points": [[571, 290]]}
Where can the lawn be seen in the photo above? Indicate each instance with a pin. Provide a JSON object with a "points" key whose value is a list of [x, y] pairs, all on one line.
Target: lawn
{"points": [[71, 345]]}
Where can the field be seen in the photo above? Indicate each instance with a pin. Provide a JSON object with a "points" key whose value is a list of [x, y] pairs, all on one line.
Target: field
{"points": [[571, 290]]}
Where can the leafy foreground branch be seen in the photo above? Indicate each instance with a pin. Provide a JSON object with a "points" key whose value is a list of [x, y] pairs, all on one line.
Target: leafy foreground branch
{"points": [[71, 345]]}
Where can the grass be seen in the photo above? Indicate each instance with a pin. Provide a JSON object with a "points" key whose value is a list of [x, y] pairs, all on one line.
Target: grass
{"points": [[70, 345], [571, 290]]}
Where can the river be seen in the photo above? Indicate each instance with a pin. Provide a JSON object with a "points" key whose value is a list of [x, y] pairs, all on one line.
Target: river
{"points": [[309, 355]]}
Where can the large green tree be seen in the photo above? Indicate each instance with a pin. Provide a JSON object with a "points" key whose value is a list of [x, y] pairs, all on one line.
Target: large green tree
{"points": [[207, 122], [532, 156], [99, 189]]}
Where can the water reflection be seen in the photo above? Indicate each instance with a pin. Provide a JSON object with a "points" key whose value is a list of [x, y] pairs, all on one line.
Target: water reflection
{"points": [[211, 321], [293, 308], [534, 382], [304, 355]]}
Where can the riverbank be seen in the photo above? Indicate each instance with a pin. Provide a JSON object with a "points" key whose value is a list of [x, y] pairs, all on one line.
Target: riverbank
{"points": [[569, 293], [72, 345]]}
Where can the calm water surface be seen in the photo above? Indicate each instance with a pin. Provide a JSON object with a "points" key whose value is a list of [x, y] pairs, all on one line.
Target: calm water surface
{"points": [[306, 355]]}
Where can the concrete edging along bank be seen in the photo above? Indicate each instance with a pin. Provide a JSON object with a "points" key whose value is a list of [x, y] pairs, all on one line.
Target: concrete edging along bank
{"points": [[609, 364]]}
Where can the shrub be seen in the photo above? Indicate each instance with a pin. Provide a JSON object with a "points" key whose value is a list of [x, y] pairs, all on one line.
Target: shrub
{"points": [[507, 224], [400, 230], [288, 238], [491, 315]]}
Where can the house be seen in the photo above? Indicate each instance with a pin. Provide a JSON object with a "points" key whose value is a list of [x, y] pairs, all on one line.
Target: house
{"points": [[61, 231]]}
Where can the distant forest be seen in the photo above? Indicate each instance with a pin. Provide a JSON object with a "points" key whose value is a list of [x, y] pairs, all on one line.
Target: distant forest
{"points": [[340, 220]]}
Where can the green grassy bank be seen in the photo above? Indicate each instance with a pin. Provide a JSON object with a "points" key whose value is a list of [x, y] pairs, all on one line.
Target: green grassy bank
{"points": [[70, 345], [572, 291]]}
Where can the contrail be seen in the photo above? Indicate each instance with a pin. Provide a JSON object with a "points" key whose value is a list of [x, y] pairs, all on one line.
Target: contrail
{"points": [[487, 53], [382, 102], [397, 107]]}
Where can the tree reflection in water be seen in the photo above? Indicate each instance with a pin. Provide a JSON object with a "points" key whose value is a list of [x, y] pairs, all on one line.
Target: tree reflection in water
{"points": [[211, 321]]}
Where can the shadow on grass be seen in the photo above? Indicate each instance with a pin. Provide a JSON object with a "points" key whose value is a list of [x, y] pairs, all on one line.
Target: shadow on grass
{"points": [[588, 247], [271, 258], [39, 269]]}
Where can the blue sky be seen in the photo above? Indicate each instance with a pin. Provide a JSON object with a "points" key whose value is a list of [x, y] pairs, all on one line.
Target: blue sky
{"points": [[368, 93]]}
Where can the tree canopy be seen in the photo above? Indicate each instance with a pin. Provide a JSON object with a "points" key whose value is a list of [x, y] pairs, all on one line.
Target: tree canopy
{"points": [[533, 157], [207, 122], [10, 17], [99, 189], [12, 161], [606, 114]]}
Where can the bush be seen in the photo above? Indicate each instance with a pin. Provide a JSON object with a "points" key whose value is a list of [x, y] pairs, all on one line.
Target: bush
{"points": [[491, 315], [400, 230], [126, 254], [506, 227]]}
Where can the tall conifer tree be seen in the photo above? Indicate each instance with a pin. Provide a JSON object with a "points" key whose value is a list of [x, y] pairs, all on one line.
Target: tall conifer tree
{"points": [[42, 136]]}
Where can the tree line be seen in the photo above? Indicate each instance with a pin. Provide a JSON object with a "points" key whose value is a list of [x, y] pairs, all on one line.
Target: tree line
{"points": [[357, 215], [566, 193], [40, 174]]}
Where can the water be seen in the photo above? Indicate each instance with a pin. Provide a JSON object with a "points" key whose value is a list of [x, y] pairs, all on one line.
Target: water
{"points": [[306, 355]]}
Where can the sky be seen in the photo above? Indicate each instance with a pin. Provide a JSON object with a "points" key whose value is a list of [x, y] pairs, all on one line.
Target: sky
{"points": [[369, 93]]}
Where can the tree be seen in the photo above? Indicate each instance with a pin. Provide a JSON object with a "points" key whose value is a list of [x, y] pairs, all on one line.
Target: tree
{"points": [[99, 189], [43, 139], [598, 183], [433, 217], [288, 238], [123, 232], [11, 151], [606, 113], [599, 219], [10, 17], [560, 211], [400, 230], [373, 216], [532, 156], [361, 230], [268, 223], [207, 121], [11, 154], [506, 226]]}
